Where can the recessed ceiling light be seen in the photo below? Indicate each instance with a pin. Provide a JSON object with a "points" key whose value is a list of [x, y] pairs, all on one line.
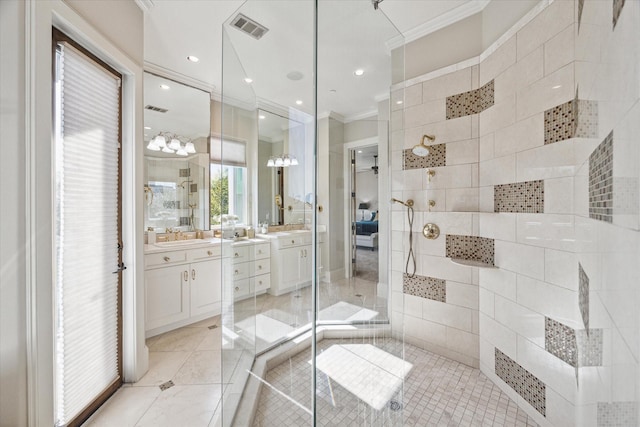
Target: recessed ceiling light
{"points": [[332, 91], [398, 102], [147, 128], [299, 102], [295, 75], [248, 80], [359, 72], [165, 87], [556, 87], [261, 117], [193, 58], [359, 151]]}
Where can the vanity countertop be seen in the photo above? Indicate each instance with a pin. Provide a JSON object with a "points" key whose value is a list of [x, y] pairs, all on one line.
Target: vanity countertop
{"points": [[179, 245]]}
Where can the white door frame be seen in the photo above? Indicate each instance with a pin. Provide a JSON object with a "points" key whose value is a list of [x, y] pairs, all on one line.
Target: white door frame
{"points": [[367, 142]]}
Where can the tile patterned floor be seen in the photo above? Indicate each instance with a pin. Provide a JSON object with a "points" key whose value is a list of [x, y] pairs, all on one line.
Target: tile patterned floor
{"points": [[437, 392]]}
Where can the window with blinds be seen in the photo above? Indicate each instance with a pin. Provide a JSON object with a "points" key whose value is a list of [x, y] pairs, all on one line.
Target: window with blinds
{"points": [[87, 232]]}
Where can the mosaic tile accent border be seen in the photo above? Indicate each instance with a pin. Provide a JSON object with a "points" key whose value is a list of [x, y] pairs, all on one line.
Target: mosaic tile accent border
{"points": [[425, 287], [522, 381], [520, 197], [472, 248], [560, 340], [617, 414], [626, 193], [576, 118], [560, 122], [587, 119], [601, 181], [617, 9], [590, 347], [583, 295], [471, 102], [437, 157]]}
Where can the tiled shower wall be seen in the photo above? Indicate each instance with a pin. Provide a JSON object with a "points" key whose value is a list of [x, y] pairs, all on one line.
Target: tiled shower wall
{"points": [[549, 170]]}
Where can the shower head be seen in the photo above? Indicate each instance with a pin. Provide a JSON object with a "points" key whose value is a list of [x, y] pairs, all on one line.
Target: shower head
{"points": [[408, 203], [421, 150]]}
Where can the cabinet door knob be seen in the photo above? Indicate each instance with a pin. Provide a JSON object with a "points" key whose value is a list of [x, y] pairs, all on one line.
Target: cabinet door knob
{"points": [[237, 255], [293, 241], [166, 259], [185, 275], [236, 272], [209, 253], [237, 288], [260, 282]]}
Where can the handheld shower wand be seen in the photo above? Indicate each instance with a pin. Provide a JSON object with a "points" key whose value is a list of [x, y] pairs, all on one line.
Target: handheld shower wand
{"points": [[410, 256]]}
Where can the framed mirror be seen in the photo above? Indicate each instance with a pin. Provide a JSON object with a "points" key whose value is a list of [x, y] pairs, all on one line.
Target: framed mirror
{"points": [[176, 137]]}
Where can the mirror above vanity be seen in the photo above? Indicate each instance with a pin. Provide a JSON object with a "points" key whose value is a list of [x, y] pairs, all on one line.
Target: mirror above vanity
{"points": [[176, 135]]}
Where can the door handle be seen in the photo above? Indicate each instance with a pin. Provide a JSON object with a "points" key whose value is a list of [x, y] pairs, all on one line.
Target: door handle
{"points": [[185, 275], [193, 274], [121, 267]]}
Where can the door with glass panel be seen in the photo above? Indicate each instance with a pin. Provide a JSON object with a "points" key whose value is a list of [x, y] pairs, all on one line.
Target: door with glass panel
{"points": [[87, 231]]}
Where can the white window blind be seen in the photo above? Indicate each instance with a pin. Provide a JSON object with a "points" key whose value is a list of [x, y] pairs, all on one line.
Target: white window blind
{"points": [[87, 121], [228, 152]]}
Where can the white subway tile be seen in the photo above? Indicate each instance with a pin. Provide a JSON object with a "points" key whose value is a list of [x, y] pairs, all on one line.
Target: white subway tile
{"points": [[522, 135], [487, 302], [398, 95], [462, 152], [501, 170], [556, 17], [413, 95], [458, 176], [462, 294], [443, 268], [447, 314], [412, 179], [530, 68], [558, 195], [397, 120], [426, 331], [423, 114], [521, 320], [486, 199], [519, 258], [458, 129], [462, 200], [397, 301], [451, 223], [447, 85], [412, 306], [553, 301], [559, 51], [498, 61], [429, 247], [498, 116], [561, 268], [561, 412], [548, 161], [463, 342], [547, 230], [498, 336], [486, 149], [501, 226], [541, 95], [501, 282]]}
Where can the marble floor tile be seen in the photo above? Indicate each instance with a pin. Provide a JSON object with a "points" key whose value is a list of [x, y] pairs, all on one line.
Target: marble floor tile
{"points": [[125, 407], [202, 367], [183, 339], [191, 406], [212, 340], [163, 366]]}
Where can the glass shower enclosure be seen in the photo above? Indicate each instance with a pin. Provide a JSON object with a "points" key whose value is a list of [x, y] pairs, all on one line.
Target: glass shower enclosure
{"points": [[309, 342]]}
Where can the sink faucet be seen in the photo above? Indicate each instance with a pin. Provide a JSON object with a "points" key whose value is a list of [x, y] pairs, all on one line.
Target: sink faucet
{"points": [[178, 235]]}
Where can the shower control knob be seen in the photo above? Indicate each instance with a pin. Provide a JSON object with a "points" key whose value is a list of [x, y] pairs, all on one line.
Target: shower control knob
{"points": [[431, 231]]}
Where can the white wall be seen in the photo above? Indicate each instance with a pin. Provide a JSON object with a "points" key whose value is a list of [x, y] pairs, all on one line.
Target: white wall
{"points": [[13, 307]]}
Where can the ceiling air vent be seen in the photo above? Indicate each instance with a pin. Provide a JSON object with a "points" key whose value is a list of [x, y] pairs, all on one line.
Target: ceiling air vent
{"points": [[154, 108], [249, 26]]}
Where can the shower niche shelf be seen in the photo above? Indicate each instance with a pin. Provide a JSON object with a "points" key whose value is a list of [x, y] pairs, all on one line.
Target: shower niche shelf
{"points": [[471, 263]]}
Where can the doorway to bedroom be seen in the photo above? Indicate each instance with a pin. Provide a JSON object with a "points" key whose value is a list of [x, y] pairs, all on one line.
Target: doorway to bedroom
{"points": [[365, 214]]}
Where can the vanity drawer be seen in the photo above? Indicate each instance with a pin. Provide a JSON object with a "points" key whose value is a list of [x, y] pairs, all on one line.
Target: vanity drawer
{"points": [[241, 270], [164, 258], [261, 283], [290, 241], [261, 266], [261, 251], [241, 288], [205, 253], [240, 253]]}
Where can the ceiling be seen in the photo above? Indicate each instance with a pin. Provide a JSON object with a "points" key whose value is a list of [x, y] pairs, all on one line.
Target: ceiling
{"points": [[351, 35]]}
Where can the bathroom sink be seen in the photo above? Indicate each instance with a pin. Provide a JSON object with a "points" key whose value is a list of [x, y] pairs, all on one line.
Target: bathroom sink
{"points": [[298, 231], [180, 243]]}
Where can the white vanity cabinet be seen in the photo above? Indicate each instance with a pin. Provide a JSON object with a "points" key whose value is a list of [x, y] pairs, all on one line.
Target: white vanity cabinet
{"points": [[251, 268], [181, 287], [291, 261]]}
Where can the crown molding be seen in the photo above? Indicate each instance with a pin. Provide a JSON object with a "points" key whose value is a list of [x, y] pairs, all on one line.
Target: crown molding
{"points": [[178, 77], [459, 13], [360, 116], [145, 5]]}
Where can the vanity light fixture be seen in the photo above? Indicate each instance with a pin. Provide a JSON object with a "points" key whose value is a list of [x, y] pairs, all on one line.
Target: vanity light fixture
{"points": [[282, 161], [177, 145], [192, 58]]}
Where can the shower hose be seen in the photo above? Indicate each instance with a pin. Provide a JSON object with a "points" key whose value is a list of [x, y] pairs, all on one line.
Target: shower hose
{"points": [[411, 256]]}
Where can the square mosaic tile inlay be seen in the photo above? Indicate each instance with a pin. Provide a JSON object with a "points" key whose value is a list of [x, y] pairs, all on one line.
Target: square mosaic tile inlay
{"points": [[617, 414], [590, 347], [471, 102], [560, 340], [522, 381], [587, 119], [617, 9], [601, 181], [560, 122], [626, 193], [520, 197], [437, 157], [425, 287], [471, 248], [583, 295]]}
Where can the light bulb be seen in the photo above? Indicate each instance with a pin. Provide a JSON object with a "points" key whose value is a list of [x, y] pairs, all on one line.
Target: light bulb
{"points": [[167, 150], [190, 148], [181, 152], [294, 161], [286, 161], [270, 162], [174, 144], [160, 141], [279, 162], [152, 146]]}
